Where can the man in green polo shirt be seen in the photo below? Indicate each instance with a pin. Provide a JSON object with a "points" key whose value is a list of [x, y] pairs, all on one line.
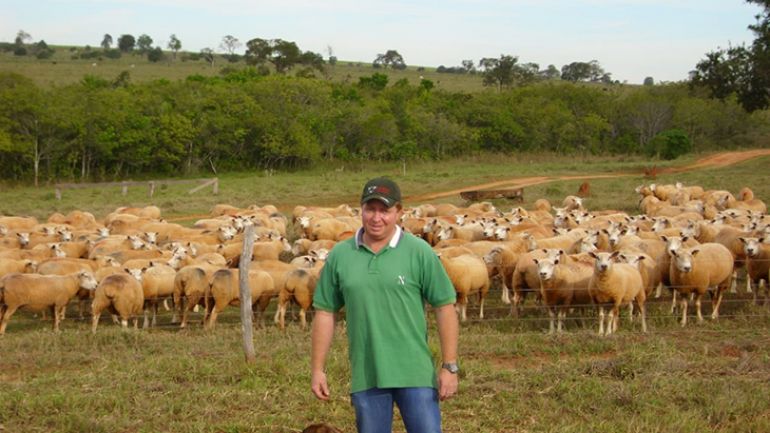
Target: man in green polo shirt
{"points": [[383, 276]]}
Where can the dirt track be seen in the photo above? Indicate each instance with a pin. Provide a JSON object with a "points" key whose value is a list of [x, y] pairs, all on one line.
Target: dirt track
{"points": [[717, 160]]}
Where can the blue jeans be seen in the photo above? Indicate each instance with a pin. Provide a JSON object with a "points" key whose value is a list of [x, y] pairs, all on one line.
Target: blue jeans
{"points": [[418, 407]]}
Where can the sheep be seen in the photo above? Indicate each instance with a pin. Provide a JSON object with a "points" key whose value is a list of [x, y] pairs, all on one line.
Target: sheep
{"points": [[615, 284], [122, 294], [302, 246], [471, 232], [39, 292], [329, 228], [18, 223], [10, 266], [563, 281], [299, 288], [757, 265], [525, 278], [697, 269], [191, 284], [503, 260], [468, 274], [157, 285], [225, 290]]}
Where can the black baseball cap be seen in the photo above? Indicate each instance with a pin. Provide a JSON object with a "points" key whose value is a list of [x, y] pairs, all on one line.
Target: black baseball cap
{"points": [[382, 189]]}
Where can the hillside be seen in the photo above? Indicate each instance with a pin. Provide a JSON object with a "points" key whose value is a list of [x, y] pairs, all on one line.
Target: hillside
{"points": [[64, 68]]}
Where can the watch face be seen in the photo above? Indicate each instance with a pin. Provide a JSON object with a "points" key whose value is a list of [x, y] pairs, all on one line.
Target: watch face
{"points": [[451, 367]]}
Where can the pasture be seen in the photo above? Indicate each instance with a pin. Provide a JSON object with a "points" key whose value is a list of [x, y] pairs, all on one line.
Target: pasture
{"points": [[713, 376]]}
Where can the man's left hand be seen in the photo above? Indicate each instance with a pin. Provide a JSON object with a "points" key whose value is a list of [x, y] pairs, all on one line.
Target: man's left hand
{"points": [[447, 384]]}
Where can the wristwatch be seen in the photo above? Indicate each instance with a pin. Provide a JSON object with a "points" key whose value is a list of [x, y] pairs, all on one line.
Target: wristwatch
{"points": [[451, 367]]}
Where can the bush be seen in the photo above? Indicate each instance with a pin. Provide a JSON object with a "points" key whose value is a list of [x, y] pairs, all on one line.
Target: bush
{"points": [[669, 144], [112, 54], [20, 51], [155, 55]]}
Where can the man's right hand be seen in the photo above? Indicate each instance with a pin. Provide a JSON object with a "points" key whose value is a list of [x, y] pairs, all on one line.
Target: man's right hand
{"points": [[319, 386]]}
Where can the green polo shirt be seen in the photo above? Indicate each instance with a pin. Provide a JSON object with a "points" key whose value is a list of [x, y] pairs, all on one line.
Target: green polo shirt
{"points": [[384, 296]]}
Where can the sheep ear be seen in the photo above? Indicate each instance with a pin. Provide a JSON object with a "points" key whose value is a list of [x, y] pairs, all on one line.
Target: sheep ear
{"points": [[641, 258], [615, 254], [145, 269], [592, 254], [743, 240], [664, 238], [537, 262], [695, 252]]}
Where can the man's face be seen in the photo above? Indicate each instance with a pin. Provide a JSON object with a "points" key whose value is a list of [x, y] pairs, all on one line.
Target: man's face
{"points": [[379, 221]]}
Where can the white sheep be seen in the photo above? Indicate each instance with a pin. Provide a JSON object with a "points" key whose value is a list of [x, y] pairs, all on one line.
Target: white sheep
{"points": [[615, 284], [757, 265]]}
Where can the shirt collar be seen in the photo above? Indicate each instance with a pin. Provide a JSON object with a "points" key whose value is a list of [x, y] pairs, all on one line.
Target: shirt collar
{"points": [[393, 241]]}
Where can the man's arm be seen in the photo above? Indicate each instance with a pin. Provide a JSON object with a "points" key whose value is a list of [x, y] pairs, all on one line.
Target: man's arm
{"points": [[448, 332], [321, 340]]}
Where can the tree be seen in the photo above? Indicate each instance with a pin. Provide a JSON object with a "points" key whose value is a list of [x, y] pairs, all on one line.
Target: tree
{"points": [[174, 44], [744, 71], [144, 44], [649, 81], [208, 55], [550, 73], [155, 55], [669, 144], [391, 58], [126, 43], [469, 66], [106, 41], [283, 55], [22, 38], [582, 71], [504, 72], [229, 44]]}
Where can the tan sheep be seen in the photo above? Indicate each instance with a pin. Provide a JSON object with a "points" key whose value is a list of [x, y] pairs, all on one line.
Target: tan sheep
{"points": [[468, 274], [225, 290], [121, 295], [40, 292], [157, 286], [191, 284], [563, 282], [698, 269], [615, 284], [299, 289], [525, 279]]}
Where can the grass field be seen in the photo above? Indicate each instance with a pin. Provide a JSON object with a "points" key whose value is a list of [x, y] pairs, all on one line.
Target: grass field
{"points": [[62, 69], [710, 377]]}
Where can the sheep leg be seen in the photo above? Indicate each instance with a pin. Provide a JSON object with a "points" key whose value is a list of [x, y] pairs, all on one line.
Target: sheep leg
{"points": [[643, 313], [302, 319], [601, 320], [95, 320], [683, 304], [561, 315], [697, 307], [463, 311], [506, 297], [734, 284], [154, 314], [58, 316], [551, 320], [212, 318], [715, 312], [673, 302], [659, 291], [146, 323], [124, 323], [281, 313], [631, 311], [6, 317], [481, 307]]}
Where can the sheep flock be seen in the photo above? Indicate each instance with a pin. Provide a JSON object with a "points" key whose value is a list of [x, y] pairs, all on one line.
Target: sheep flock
{"points": [[607, 265]]}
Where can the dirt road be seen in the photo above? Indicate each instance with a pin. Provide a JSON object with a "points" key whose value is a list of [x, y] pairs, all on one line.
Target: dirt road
{"points": [[717, 160]]}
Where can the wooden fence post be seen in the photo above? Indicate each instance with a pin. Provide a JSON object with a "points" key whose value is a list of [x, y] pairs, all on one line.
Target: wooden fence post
{"points": [[245, 295], [152, 188], [125, 188], [58, 193], [216, 186]]}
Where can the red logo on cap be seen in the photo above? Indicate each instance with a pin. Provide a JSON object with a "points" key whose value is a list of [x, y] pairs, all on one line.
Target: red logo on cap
{"points": [[382, 189]]}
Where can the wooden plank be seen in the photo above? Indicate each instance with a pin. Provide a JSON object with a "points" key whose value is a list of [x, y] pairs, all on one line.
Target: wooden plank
{"points": [[247, 325]]}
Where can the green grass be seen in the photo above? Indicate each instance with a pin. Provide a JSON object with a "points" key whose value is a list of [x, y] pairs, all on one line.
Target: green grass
{"points": [[707, 377], [62, 69]]}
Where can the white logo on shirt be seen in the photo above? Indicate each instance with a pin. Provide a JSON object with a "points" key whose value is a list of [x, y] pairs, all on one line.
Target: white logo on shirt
{"points": [[401, 280]]}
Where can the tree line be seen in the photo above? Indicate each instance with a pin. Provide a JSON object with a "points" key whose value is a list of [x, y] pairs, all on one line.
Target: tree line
{"points": [[102, 129]]}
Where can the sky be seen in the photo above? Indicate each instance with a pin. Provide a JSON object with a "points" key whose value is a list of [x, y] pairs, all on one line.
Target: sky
{"points": [[631, 39]]}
